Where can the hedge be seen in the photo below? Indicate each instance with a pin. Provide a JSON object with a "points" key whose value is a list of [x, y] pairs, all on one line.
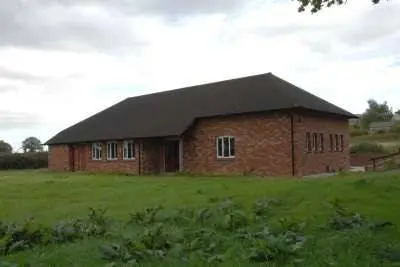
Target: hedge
{"points": [[367, 147], [358, 132], [20, 161]]}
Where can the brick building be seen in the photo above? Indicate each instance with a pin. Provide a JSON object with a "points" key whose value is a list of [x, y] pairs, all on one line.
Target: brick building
{"points": [[259, 125]]}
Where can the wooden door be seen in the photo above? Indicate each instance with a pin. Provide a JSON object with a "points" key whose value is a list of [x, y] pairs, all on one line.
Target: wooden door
{"points": [[172, 155], [71, 150], [79, 158]]}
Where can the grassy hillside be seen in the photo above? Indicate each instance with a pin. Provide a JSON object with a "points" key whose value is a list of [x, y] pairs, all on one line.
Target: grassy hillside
{"points": [[223, 221], [390, 141]]}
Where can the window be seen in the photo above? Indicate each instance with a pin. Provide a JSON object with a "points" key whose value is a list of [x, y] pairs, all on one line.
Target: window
{"points": [[308, 142], [129, 150], [112, 151], [225, 147], [331, 143], [341, 142], [321, 142], [336, 142], [96, 151], [315, 142]]}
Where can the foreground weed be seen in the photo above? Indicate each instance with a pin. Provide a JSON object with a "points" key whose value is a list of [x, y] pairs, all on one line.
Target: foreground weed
{"points": [[264, 206], [146, 216], [15, 238], [344, 219], [152, 243]]}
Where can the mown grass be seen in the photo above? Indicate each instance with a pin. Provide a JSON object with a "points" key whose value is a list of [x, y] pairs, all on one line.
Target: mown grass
{"points": [[52, 197]]}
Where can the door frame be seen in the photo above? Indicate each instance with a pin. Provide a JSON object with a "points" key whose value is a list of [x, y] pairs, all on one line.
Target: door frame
{"points": [[71, 151], [78, 155], [180, 152]]}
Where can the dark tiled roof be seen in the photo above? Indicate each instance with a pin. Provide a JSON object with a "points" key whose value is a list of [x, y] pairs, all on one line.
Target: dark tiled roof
{"points": [[170, 113]]}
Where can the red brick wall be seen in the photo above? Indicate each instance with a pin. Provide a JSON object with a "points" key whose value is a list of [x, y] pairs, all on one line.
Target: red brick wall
{"points": [[151, 156], [263, 145], [261, 140], [314, 163], [59, 158], [105, 165]]}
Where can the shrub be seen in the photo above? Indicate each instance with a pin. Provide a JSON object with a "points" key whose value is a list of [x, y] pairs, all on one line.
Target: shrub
{"points": [[263, 206], [147, 216], [367, 147], [396, 128], [391, 164], [277, 247], [358, 132], [18, 237], [24, 161], [153, 242], [344, 219]]}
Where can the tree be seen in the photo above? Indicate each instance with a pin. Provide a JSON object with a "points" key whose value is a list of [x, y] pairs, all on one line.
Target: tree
{"points": [[376, 112], [398, 112], [317, 5], [5, 147], [32, 144]]}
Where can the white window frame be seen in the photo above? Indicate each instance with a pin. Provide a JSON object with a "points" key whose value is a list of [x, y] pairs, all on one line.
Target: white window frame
{"points": [[111, 145], [125, 148], [337, 144], [230, 156], [315, 144], [331, 143], [97, 147], [321, 144], [308, 147]]}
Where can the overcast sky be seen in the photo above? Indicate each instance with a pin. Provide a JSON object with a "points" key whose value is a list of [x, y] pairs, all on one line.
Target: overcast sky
{"points": [[62, 61]]}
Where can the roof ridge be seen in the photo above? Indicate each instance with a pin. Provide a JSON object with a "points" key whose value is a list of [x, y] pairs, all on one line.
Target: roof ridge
{"points": [[203, 84], [308, 93]]}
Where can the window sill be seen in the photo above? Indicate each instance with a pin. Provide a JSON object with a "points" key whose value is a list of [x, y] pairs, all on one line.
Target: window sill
{"points": [[131, 159], [112, 159], [225, 158], [97, 159]]}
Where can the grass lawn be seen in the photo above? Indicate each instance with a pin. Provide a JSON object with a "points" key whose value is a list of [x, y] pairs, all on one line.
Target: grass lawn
{"points": [[54, 197]]}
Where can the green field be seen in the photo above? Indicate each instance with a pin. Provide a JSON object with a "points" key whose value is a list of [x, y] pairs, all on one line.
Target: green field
{"points": [[389, 141], [225, 234]]}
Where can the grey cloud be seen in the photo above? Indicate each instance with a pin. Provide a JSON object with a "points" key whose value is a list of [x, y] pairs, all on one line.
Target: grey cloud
{"points": [[323, 47], [17, 120], [377, 23], [21, 81], [185, 7], [316, 37], [165, 8], [288, 29], [7, 88], [374, 33], [103, 25], [20, 76], [35, 24]]}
